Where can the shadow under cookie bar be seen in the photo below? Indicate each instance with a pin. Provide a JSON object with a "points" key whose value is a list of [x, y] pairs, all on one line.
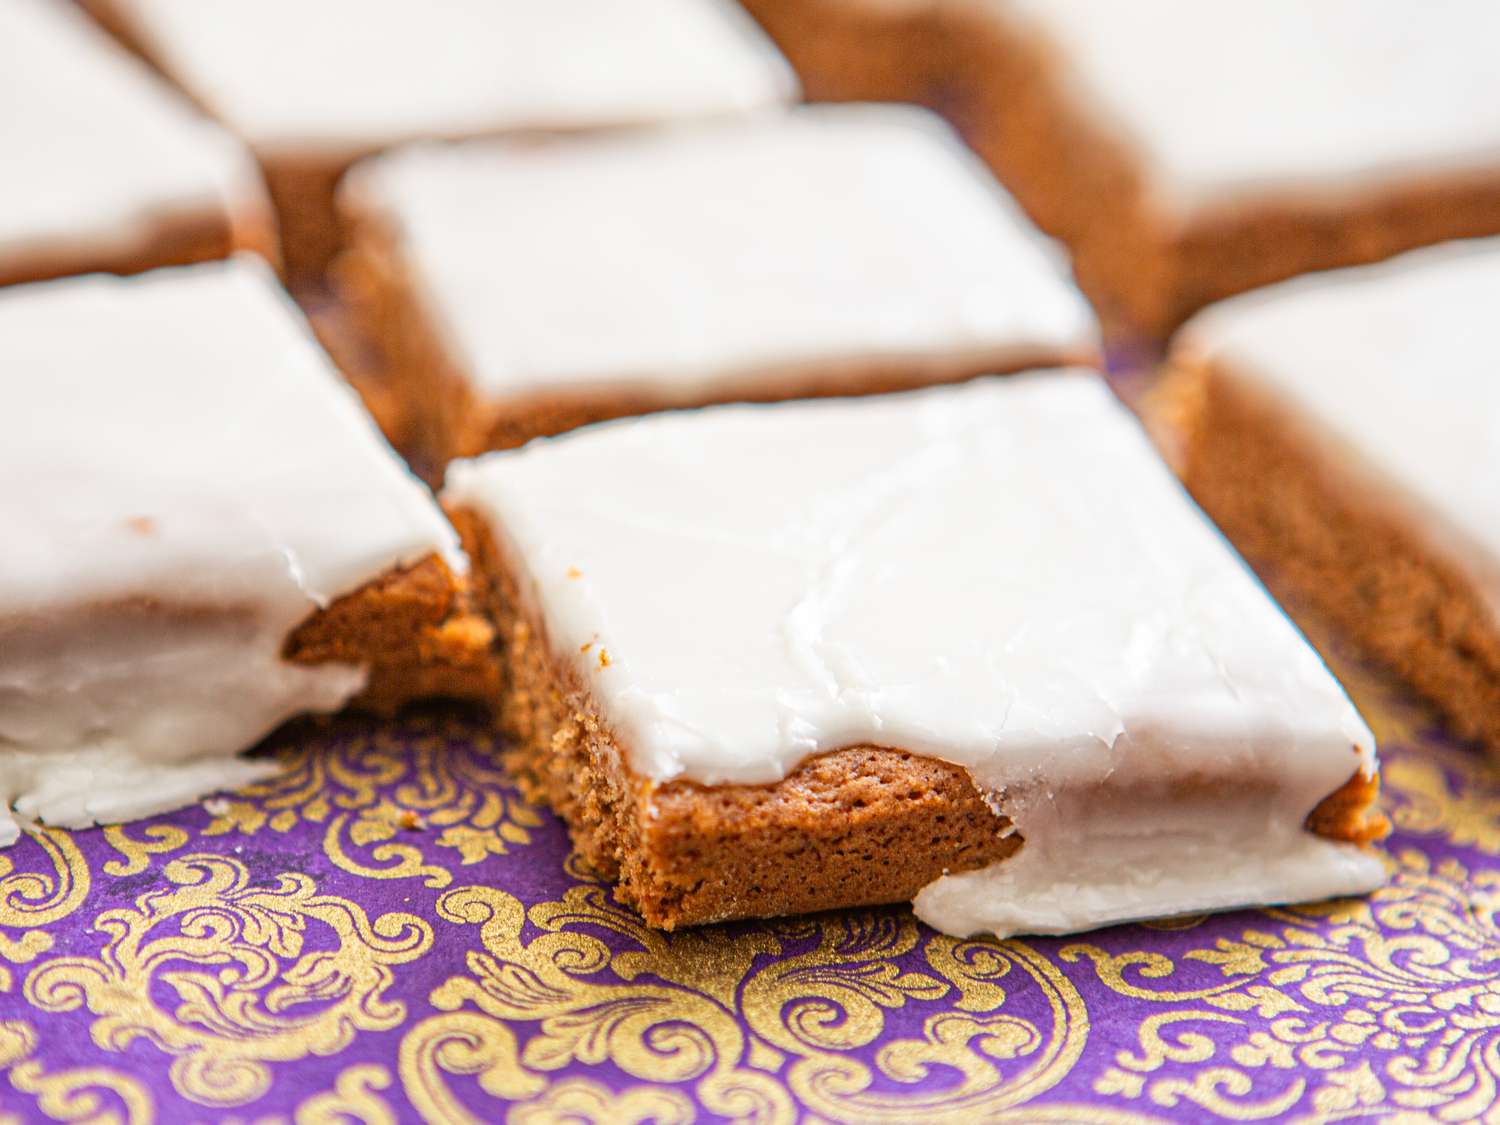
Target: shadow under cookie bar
{"points": [[1328, 541], [1146, 270]]}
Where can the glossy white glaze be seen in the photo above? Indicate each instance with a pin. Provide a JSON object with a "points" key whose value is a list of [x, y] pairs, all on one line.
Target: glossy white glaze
{"points": [[187, 478], [1002, 575], [96, 150], [710, 257], [346, 76]]}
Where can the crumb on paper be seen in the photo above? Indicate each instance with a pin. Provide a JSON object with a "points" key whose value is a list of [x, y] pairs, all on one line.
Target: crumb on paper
{"points": [[141, 525], [574, 572], [412, 821], [216, 806], [585, 646], [604, 658]]}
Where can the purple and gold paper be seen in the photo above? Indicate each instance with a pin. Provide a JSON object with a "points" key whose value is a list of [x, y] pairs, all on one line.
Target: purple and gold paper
{"points": [[388, 932]]}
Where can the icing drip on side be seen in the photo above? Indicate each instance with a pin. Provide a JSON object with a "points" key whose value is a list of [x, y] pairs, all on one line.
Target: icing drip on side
{"points": [[190, 480]]}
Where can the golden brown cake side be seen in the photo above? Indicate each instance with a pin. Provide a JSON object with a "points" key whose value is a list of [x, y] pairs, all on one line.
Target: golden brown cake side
{"points": [[180, 240], [1329, 543], [848, 50], [858, 826], [302, 191], [1146, 271], [431, 412], [416, 629]]}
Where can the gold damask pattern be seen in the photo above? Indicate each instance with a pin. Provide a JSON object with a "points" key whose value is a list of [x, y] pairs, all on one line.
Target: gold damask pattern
{"points": [[387, 932]]}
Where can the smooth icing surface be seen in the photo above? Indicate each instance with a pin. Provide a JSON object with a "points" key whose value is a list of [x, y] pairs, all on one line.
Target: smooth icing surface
{"points": [[700, 256], [1395, 363], [186, 479], [360, 74], [1222, 100], [95, 150], [1002, 575]]}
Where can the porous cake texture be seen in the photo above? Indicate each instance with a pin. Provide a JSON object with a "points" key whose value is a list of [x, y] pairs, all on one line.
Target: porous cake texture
{"points": [[971, 646], [1344, 431], [1189, 151], [105, 167], [522, 290], [205, 537], [313, 86]]}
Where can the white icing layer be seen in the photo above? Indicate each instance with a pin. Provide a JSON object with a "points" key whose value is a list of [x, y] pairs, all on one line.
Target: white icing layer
{"points": [[1394, 363], [1223, 100], [1001, 575], [187, 479], [354, 75], [96, 150], [697, 257]]}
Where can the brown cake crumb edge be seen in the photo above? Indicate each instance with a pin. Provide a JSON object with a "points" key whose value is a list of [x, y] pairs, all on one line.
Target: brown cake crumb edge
{"points": [[176, 240], [1332, 547], [417, 631], [861, 826]]}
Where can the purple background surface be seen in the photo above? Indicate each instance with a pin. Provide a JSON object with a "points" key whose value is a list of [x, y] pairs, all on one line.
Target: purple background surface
{"points": [[388, 931]]}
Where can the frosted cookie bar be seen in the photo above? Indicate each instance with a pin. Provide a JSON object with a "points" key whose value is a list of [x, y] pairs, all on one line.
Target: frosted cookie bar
{"points": [[970, 646], [205, 536], [313, 86], [1188, 151], [1344, 430], [105, 168], [527, 289]]}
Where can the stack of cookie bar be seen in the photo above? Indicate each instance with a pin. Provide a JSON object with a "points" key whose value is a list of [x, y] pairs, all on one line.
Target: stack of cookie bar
{"points": [[788, 526]]}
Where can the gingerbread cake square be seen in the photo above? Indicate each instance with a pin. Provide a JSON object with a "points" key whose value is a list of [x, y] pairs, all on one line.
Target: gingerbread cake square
{"points": [[1344, 431], [313, 86], [520, 290], [105, 167], [969, 645], [205, 536], [1187, 151]]}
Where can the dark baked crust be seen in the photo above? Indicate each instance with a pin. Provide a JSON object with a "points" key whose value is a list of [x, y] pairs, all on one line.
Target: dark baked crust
{"points": [[437, 415], [1328, 544], [416, 630], [855, 827]]}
